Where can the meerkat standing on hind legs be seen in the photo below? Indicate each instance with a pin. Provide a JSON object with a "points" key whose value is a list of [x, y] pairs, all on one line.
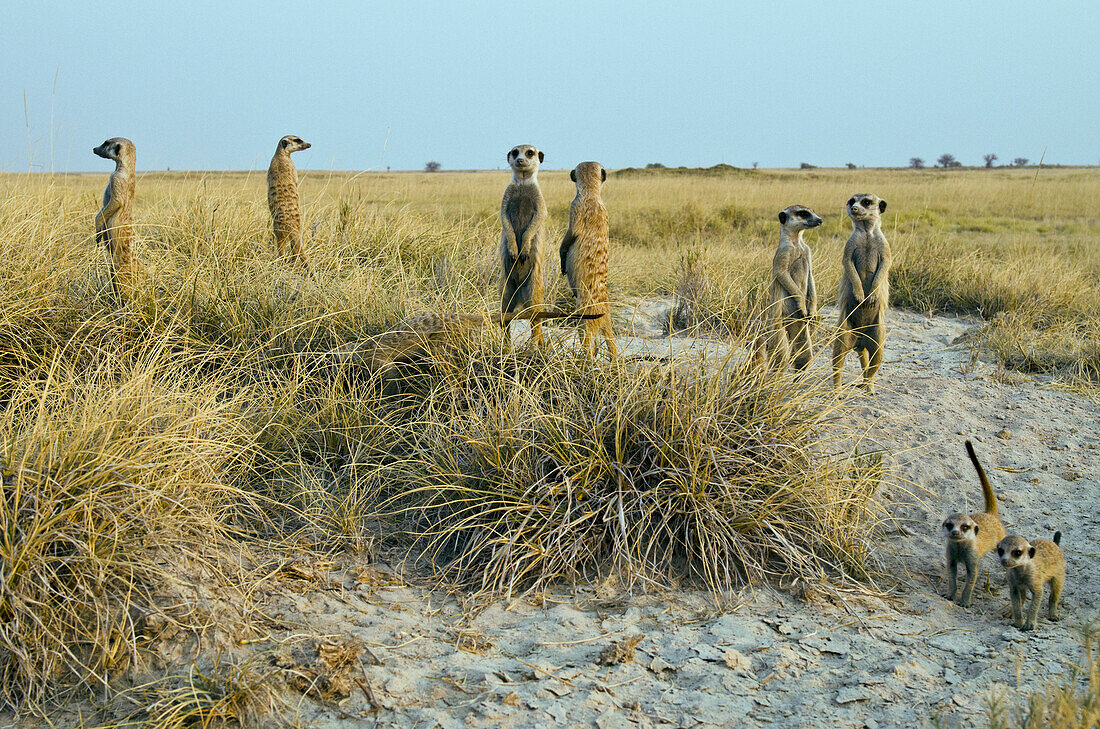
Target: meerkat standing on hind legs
{"points": [[114, 223], [584, 254], [1029, 568], [282, 198], [864, 290], [793, 297], [522, 219], [969, 536]]}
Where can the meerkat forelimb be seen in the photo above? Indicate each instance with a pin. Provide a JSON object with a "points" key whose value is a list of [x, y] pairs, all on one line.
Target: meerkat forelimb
{"points": [[969, 536], [522, 221], [792, 299], [282, 199], [864, 290], [1029, 568], [584, 255], [114, 223]]}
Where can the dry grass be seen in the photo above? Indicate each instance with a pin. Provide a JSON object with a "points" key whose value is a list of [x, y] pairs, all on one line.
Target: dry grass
{"points": [[200, 412]]}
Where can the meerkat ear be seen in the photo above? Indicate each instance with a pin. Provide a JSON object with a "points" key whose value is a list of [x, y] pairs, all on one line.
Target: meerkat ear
{"points": [[882, 206], [541, 156], [573, 175], [782, 217], [976, 528], [118, 149], [1031, 552], [603, 175]]}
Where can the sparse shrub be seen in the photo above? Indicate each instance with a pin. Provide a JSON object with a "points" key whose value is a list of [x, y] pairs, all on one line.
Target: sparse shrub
{"points": [[655, 166], [807, 166], [432, 166]]}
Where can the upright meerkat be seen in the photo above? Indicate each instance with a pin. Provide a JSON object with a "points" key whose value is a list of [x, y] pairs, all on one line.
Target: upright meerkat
{"points": [[584, 254], [793, 296], [114, 223], [864, 290], [1030, 567], [969, 536], [522, 221], [282, 198]]}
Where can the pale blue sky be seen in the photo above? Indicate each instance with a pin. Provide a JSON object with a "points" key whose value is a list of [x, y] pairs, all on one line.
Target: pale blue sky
{"points": [[213, 85]]}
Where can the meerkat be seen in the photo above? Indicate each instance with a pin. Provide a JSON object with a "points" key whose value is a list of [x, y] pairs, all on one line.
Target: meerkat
{"points": [[864, 290], [969, 536], [522, 219], [584, 254], [114, 223], [282, 198], [793, 295], [1030, 567]]}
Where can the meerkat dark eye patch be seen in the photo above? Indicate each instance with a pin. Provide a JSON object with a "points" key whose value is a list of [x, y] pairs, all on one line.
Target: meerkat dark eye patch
{"points": [[803, 214], [964, 527], [948, 525], [866, 202], [1017, 552], [530, 153], [1000, 552], [852, 202]]}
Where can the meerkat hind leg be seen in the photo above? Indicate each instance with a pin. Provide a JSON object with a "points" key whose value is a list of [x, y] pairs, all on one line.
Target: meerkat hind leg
{"points": [[840, 351], [609, 336], [1033, 608], [972, 566], [1017, 597], [1055, 596], [798, 332]]}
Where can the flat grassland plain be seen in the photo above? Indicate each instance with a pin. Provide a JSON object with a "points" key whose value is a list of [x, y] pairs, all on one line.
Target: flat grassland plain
{"points": [[208, 516]]}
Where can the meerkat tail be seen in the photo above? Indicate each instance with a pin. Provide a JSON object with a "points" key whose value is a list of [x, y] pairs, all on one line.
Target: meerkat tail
{"points": [[987, 489], [1057, 538], [553, 314]]}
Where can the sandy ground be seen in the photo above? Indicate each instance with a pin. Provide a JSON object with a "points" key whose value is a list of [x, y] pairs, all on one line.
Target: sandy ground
{"points": [[825, 658]]}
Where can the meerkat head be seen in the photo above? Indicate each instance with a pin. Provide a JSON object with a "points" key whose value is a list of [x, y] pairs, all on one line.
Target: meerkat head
{"points": [[864, 206], [116, 148], [291, 143], [525, 160], [960, 528], [799, 217], [588, 174], [1014, 551]]}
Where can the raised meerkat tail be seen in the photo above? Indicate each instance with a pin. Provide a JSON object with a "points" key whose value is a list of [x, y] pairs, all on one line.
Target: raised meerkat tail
{"points": [[1057, 538], [987, 490]]}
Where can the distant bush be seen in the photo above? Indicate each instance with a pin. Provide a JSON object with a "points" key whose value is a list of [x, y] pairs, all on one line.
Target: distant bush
{"points": [[655, 166], [433, 166], [850, 165], [1020, 162], [807, 166], [948, 160]]}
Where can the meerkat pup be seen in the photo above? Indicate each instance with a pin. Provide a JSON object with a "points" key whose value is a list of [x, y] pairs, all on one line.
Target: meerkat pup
{"points": [[1031, 567], [793, 296], [522, 219], [969, 536], [584, 254], [864, 290], [282, 198], [114, 223]]}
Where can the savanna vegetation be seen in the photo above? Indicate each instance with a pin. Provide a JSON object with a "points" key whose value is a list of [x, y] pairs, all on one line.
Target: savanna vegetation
{"points": [[142, 444]]}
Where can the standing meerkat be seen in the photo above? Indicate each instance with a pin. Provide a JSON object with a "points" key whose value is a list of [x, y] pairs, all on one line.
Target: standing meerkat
{"points": [[969, 536], [793, 296], [1030, 567], [864, 290], [114, 223], [584, 254], [282, 198], [522, 219]]}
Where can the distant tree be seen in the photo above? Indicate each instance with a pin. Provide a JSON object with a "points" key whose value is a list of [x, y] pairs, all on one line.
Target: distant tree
{"points": [[850, 165], [807, 166], [947, 160], [1020, 162], [755, 165], [655, 166], [433, 166], [916, 163], [989, 159]]}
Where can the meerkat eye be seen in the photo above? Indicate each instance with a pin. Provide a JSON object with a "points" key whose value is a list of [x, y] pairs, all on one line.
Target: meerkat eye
{"points": [[852, 202], [948, 525], [1017, 552], [866, 202], [964, 527], [1000, 552], [530, 153], [802, 214]]}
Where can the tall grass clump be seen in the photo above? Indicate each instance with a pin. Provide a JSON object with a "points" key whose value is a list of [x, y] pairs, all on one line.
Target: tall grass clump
{"points": [[108, 470], [515, 474]]}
